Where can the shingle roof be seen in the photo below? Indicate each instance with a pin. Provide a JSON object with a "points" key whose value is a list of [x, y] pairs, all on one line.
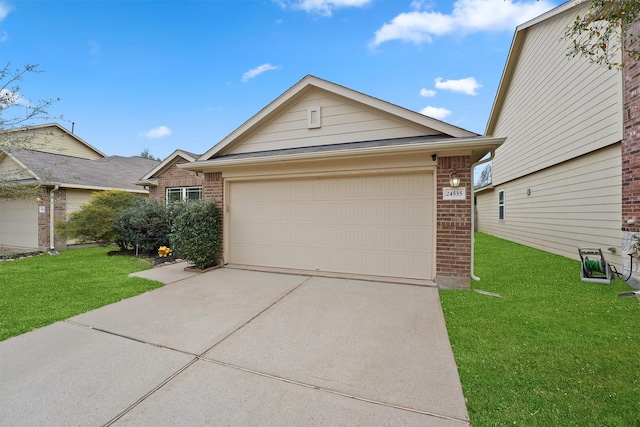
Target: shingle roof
{"points": [[110, 172]]}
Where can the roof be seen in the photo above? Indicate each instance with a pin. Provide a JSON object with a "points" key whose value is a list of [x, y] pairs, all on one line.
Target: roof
{"points": [[300, 89], [514, 54], [150, 175], [113, 172], [437, 144]]}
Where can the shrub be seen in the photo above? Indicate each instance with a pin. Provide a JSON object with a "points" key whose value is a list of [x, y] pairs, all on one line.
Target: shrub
{"points": [[144, 223], [94, 221], [196, 231]]}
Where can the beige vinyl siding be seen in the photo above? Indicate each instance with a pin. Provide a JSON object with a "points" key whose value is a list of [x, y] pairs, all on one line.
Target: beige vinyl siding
{"points": [[9, 170], [56, 141], [76, 198], [556, 108], [571, 205], [342, 121], [19, 224]]}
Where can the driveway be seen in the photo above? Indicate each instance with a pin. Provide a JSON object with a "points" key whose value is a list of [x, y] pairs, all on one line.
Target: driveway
{"points": [[238, 347]]}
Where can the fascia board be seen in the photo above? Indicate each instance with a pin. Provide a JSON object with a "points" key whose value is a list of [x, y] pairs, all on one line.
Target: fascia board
{"points": [[440, 147]]}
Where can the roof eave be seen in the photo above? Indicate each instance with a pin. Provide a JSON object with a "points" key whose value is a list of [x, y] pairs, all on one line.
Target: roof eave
{"points": [[475, 145]]}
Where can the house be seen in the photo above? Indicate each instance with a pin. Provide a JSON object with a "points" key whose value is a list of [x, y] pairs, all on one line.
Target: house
{"points": [[167, 182], [69, 170], [564, 178], [328, 179]]}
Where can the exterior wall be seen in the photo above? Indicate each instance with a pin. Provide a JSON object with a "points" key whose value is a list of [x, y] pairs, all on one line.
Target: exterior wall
{"points": [[342, 121], [453, 219], [60, 203], [559, 209], [9, 169], [172, 176], [554, 109], [631, 166], [18, 224], [54, 140]]}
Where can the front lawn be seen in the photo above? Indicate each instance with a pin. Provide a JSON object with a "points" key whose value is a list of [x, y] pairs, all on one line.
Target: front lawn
{"points": [[37, 291], [552, 351]]}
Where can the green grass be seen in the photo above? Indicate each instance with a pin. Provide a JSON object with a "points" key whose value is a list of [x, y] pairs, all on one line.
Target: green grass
{"points": [[554, 351], [37, 291]]}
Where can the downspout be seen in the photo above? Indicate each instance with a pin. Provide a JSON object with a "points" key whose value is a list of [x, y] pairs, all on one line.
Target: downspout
{"points": [[52, 218], [473, 211]]}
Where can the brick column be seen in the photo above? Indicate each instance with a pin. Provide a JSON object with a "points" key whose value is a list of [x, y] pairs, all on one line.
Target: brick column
{"points": [[59, 212], [631, 163], [453, 226]]}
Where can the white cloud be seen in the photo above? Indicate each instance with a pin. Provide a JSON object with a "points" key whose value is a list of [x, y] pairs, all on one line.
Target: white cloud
{"points": [[94, 47], [11, 99], [4, 10], [427, 93], [435, 112], [467, 16], [257, 71], [467, 86], [322, 7], [159, 132]]}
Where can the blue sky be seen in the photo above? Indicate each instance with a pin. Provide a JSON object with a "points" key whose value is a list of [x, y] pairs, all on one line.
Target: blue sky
{"points": [[183, 74]]}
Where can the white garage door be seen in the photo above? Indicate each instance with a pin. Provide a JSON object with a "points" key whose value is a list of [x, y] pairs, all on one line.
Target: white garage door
{"points": [[378, 225], [19, 223]]}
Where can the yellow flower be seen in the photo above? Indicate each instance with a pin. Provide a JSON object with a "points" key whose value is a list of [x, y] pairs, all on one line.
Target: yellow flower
{"points": [[164, 251]]}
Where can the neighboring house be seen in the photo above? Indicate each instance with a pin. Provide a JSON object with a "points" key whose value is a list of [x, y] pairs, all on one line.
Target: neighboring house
{"points": [[564, 178], [69, 171], [166, 182], [328, 179]]}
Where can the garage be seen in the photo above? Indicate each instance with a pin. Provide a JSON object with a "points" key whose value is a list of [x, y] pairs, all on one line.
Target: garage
{"points": [[19, 224], [375, 225]]}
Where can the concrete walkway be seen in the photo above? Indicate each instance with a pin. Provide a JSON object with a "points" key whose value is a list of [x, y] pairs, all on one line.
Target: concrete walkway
{"points": [[237, 347]]}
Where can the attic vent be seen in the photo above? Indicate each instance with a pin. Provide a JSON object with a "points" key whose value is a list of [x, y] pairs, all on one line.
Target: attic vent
{"points": [[314, 117]]}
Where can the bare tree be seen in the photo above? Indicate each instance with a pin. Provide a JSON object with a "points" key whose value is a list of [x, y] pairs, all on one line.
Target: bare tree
{"points": [[485, 177], [17, 113]]}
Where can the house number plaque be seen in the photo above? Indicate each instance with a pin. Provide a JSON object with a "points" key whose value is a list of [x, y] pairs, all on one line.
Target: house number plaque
{"points": [[454, 193]]}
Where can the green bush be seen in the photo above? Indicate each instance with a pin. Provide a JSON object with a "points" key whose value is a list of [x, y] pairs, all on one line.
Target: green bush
{"points": [[94, 221], [196, 231], [145, 223]]}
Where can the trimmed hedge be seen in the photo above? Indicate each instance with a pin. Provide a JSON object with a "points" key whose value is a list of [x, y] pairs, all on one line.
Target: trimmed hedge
{"points": [[196, 231]]}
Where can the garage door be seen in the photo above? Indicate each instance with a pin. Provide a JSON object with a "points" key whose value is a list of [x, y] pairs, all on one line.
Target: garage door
{"points": [[19, 223], [380, 225]]}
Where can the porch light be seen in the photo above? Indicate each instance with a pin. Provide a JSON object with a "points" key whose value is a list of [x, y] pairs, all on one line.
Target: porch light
{"points": [[454, 179]]}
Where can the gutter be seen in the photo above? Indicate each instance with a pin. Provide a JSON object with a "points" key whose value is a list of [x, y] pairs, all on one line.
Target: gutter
{"points": [[443, 146], [473, 211]]}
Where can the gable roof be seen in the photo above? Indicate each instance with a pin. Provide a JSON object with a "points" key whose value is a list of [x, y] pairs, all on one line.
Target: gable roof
{"points": [[307, 84], [149, 177], [59, 128], [113, 172], [514, 55]]}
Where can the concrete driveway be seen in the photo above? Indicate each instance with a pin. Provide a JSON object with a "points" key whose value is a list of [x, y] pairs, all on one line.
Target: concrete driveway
{"points": [[237, 347]]}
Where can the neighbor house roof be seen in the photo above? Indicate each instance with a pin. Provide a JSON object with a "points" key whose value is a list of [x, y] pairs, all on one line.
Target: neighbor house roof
{"points": [[150, 177], [113, 172]]}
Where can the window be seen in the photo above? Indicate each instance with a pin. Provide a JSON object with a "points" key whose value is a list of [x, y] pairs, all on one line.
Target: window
{"points": [[501, 204], [183, 193]]}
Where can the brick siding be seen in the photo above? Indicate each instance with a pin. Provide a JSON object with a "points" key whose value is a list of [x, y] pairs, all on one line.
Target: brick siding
{"points": [[174, 177], [453, 226], [631, 145], [60, 213]]}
